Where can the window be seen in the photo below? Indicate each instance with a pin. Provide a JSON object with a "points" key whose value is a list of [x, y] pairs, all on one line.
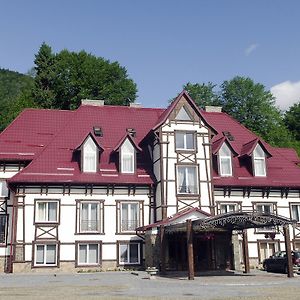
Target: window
{"points": [[46, 211], [225, 163], [90, 216], [88, 254], [183, 115], [45, 255], [259, 161], [266, 208], [295, 212], [89, 156], [129, 216], [187, 180], [185, 141], [266, 249], [226, 208], [129, 253], [3, 188], [127, 157], [3, 228]]}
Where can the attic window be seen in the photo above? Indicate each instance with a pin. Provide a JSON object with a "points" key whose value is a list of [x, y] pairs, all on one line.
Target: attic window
{"points": [[183, 115], [127, 156], [98, 131], [89, 156], [131, 131], [229, 136], [225, 161], [259, 161]]}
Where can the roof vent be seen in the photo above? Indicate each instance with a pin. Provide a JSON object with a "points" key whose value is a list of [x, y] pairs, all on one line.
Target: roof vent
{"points": [[229, 136], [213, 109], [131, 131], [92, 102], [135, 105], [98, 131]]}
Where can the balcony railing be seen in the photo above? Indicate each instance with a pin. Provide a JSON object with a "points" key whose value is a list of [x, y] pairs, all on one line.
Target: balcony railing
{"points": [[188, 189], [89, 225], [129, 225]]}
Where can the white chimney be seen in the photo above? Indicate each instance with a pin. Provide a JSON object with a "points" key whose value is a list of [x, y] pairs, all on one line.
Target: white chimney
{"points": [[92, 102], [136, 105], [213, 109]]}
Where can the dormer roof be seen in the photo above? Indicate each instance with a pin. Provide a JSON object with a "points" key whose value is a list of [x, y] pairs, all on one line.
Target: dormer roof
{"points": [[123, 139], [95, 140], [216, 145], [248, 148]]}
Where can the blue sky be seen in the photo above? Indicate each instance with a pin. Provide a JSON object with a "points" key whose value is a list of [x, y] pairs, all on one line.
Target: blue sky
{"points": [[164, 44]]}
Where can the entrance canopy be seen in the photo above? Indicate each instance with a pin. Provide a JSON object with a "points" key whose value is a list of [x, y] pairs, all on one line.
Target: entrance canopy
{"points": [[233, 221]]}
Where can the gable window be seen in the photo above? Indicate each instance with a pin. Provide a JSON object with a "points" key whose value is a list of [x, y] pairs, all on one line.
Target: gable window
{"points": [[185, 140], [259, 161], [127, 157], [187, 180], [46, 211], [89, 156], [88, 254], [90, 216], [183, 115], [295, 212], [226, 208], [129, 253], [45, 255], [225, 161], [3, 188]]}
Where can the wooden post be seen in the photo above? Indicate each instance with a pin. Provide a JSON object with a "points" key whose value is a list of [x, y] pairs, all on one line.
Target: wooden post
{"points": [[288, 251], [246, 251], [162, 250], [190, 250]]}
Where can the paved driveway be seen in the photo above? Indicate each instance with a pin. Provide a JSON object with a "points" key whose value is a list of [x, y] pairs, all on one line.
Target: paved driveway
{"points": [[125, 285]]}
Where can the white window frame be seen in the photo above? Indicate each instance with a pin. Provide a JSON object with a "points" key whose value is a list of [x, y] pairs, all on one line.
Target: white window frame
{"points": [[297, 217], [195, 167], [128, 253], [227, 207], [138, 221], [87, 244], [259, 159], [184, 135], [99, 216], [265, 229], [37, 220], [44, 264], [91, 154], [3, 188], [127, 154], [223, 158]]}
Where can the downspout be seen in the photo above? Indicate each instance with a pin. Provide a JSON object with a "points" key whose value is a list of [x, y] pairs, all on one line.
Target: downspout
{"points": [[13, 226]]}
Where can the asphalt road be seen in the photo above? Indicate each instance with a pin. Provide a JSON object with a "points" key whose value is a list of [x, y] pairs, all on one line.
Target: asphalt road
{"points": [[125, 285]]}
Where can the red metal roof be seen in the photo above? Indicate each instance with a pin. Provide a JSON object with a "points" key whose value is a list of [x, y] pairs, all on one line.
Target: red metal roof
{"points": [[49, 138]]}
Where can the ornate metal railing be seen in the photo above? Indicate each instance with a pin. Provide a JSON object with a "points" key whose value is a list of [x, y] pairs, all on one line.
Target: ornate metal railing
{"points": [[89, 225], [129, 225]]}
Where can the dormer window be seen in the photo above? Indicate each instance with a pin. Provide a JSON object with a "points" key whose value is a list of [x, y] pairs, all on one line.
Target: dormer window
{"points": [[89, 156], [259, 161], [225, 161], [127, 157]]}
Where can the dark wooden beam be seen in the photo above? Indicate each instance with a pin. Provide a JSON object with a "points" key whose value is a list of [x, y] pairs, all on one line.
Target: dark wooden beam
{"points": [[162, 250], [286, 232], [246, 251], [190, 250]]}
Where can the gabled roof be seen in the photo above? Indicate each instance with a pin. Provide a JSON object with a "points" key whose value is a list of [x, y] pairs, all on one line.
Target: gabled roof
{"points": [[132, 141], [216, 145], [249, 147], [95, 140]]}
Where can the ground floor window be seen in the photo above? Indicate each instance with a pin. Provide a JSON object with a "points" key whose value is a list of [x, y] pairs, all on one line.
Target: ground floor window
{"points": [[266, 249], [45, 255], [297, 245], [88, 254], [129, 253]]}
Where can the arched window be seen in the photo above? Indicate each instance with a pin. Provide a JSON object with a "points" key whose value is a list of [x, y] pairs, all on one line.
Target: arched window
{"points": [[259, 161], [225, 161], [89, 156]]}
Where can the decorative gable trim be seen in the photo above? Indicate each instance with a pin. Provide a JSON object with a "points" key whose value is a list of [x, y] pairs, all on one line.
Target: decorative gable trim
{"points": [[216, 145], [249, 147], [132, 141], [79, 147]]}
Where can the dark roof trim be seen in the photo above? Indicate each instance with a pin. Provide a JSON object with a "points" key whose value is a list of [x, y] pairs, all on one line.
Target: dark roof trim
{"points": [[216, 145], [94, 140], [130, 138]]}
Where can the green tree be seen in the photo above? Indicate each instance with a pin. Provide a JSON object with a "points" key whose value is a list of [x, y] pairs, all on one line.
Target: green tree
{"points": [[203, 94], [63, 79], [292, 120]]}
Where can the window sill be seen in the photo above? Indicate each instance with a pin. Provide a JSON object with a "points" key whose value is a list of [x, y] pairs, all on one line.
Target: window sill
{"points": [[89, 233]]}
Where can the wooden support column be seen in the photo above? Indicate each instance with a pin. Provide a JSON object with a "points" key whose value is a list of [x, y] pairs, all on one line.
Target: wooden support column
{"points": [[246, 251], [287, 242], [162, 250], [190, 250]]}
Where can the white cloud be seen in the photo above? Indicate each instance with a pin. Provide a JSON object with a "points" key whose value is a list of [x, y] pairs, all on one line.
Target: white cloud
{"points": [[250, 49], [287, 93]]}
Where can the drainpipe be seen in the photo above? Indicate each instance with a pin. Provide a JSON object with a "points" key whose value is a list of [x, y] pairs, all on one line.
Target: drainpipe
{"points": [[11, 250]]}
